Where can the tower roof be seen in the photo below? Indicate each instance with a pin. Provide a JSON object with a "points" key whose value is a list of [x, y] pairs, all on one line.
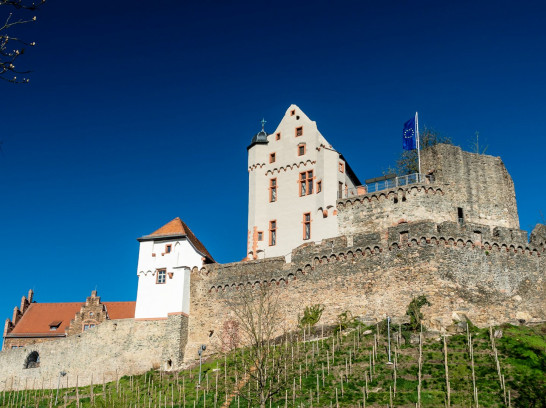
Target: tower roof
{"points": [[260, 137], [177, 228]]}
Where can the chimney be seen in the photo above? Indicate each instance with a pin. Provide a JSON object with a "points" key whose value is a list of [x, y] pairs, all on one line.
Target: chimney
{"points": [[30, 296]]}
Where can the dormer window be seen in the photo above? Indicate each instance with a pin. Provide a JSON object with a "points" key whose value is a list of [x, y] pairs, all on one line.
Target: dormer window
{"points": [[54, 325], [168, 248], [299, 131]]}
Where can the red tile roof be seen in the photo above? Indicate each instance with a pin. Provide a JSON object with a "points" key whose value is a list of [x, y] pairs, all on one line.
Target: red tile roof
{"points": [[39, 316], [177, 227], [120, 310]]}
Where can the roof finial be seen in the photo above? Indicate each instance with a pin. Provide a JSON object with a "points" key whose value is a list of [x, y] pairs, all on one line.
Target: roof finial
{"points": [[263, 122]]}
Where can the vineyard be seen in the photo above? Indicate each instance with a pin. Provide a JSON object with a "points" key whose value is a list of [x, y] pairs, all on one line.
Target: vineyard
{"points": [[319, 367]]}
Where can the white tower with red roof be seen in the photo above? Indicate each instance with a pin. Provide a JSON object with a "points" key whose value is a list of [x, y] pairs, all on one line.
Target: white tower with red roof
{"points": [[165, 260]]}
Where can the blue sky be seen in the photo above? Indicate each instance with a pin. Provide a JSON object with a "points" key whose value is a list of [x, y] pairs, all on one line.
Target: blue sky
{"points": [[139, 112]]}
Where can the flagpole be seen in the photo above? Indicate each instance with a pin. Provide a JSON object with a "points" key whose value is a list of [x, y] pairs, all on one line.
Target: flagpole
{"points": [[418, 147]]}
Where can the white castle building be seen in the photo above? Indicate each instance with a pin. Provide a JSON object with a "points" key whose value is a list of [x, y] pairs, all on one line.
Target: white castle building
{"points": [[165, 260], [295, 178]]}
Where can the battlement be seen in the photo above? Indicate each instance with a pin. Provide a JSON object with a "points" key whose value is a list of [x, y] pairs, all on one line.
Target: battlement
{"points": [[482, 239]]}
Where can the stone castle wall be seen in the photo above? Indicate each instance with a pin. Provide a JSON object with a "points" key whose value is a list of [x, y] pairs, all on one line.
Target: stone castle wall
{"points": [[477, 183], [115, 347], [487, 277]]}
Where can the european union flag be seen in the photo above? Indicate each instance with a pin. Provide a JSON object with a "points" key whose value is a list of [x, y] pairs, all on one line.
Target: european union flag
{"points": [[409, 135]]}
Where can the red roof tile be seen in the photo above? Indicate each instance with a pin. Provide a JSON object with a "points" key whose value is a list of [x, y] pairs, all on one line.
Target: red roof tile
{"points": [[39, 316], [178, 227], [120, 310]]}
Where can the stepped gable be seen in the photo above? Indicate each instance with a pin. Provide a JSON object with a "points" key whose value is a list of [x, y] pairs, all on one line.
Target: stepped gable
{"points": [[39, 316], [178, 228]]}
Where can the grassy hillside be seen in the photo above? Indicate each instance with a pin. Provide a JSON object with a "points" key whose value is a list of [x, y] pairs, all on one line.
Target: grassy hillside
{"points": [[347, 369]]}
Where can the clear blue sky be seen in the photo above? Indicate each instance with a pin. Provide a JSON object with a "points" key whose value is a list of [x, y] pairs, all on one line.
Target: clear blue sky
{"points": [[139, 112]]}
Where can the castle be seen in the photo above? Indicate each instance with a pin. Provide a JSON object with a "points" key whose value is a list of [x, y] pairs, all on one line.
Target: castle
{"points": [[316, 234]]}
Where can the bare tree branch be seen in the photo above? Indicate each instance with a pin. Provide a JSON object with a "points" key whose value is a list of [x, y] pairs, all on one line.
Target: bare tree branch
{"points": [[11, 47]]}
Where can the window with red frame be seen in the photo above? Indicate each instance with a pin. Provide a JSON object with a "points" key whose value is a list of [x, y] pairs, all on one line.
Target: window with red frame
{"points": [[272, 190], [272, 233], [307, 226], [306, 183]]}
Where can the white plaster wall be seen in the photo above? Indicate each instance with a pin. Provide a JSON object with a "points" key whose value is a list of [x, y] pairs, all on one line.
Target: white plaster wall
{"points": [[158, 300], [289, 208]]}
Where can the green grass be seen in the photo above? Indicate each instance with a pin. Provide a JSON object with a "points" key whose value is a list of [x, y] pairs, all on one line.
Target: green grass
{"points": [[522, 356]]}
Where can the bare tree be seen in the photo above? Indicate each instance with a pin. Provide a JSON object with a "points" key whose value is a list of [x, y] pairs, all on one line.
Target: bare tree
{"points": [[261, 360], [13, 47]]}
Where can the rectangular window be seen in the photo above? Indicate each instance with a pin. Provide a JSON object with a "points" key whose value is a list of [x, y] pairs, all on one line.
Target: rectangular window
{"points": [[299, 131], [168, 248], [161, 276], [341, 167], [272, 233], [272, 158], [272, 190], [306, 183], [278, 136], [85, 327], [340, 190], [460, 215], [319, 186], [260, 236], [301, 150], [307, 226]]}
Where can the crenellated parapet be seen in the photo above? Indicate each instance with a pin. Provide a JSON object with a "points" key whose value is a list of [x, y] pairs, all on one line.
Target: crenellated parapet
{"points": [[480, 240]]}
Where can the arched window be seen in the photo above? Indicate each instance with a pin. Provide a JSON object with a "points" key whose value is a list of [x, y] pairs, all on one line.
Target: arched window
{"points": [[32, 360]]}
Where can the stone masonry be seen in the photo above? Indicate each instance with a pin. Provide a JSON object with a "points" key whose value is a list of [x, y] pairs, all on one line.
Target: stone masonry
{"points": [[113, 348], [490, 275]]}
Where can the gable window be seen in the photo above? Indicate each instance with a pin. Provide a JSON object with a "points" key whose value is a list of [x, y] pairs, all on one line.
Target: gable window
{"points": [[272, 158], [260, 236], [319, 186], [168, 248], [272, 233], [272, 190], [161, 276], [292, 112], [341, 167], [306, 183], [299, 131], [307, 226], [278, 136], [301, 149]]}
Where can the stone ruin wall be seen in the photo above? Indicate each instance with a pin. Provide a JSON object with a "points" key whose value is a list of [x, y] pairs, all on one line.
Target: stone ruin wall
{"points": [[113, 348], [494, 277], [478, 183]]}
